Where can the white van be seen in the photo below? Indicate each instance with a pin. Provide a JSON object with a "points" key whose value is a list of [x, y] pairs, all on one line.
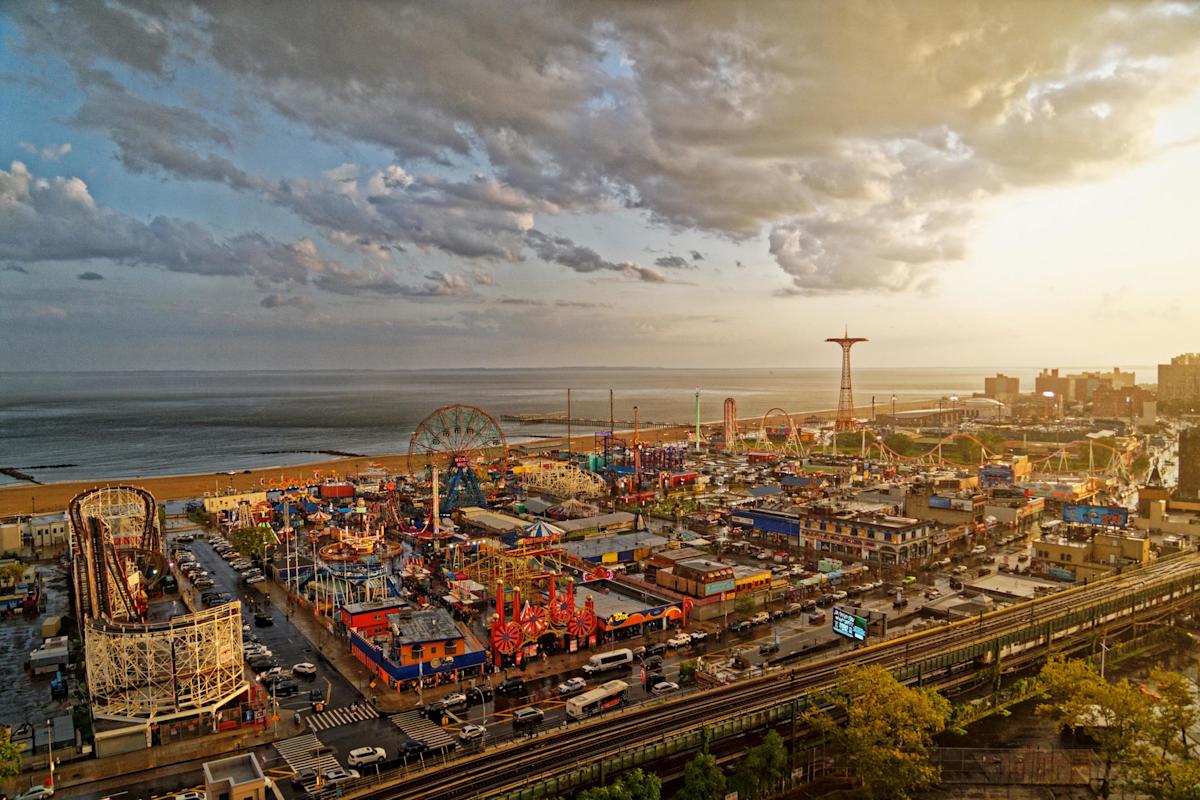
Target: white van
{"points": [[602, 662]]}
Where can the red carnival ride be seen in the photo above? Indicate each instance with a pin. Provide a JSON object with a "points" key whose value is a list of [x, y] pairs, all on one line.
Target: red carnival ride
{"points": [[529, 623]]}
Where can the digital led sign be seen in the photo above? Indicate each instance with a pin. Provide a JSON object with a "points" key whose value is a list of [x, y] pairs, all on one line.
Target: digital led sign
{"points": [[850, 625]]}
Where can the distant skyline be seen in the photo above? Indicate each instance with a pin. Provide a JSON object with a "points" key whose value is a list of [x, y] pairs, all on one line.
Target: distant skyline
{"points": [[242, 185]]}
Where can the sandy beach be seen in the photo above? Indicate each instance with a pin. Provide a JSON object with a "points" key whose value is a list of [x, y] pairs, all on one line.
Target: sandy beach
{"points": [[53, 497]]}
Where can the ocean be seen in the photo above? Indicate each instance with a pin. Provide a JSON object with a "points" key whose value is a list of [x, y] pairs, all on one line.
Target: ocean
{"points": [[134, 424]]}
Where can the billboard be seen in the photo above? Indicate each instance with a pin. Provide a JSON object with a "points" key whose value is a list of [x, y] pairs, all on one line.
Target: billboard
{"points": [[936, 501], [962, 503], [1095, 515], [850, 625], [995, 475]]}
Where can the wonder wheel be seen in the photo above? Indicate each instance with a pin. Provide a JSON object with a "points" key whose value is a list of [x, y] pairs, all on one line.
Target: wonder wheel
{"points": [[466, 445]]}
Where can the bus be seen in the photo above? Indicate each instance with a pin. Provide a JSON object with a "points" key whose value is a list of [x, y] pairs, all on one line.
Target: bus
{"points": [[607, 696], [614, 659]]}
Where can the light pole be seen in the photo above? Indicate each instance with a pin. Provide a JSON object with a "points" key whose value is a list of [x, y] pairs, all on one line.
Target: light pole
{"points": [[50, 748], [893, 409]]}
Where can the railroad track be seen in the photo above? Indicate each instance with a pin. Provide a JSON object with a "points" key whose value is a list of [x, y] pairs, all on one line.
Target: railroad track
{"points": [[521, 762]]}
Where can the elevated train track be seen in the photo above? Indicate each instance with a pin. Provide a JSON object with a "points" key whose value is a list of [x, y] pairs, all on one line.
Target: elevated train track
{"points": [[559, 761]]}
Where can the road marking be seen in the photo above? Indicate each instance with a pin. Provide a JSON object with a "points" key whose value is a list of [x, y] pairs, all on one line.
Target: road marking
{"points": [[306, 752], [336, 717]]}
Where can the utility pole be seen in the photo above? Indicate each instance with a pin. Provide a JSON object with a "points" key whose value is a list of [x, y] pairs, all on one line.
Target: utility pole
{"points": [[697, 420], [568, 424]]}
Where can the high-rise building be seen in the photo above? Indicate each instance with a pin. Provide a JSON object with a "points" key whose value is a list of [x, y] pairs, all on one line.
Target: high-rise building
{"points": [[1001, 387], [1189, 464], [1062, 387], [1179, 381]]}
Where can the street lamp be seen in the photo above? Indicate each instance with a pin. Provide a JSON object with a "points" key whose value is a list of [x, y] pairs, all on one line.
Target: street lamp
{"points": [[893, 409]]}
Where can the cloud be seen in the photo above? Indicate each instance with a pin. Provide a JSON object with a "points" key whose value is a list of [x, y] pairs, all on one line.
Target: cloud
{"points": [[673, 262], [50, 152], [697, 255], [857, 140], [274, 300], [483, 277], [57, 220], [563, 251], [90, 276], [45, 311], [15, 268]]}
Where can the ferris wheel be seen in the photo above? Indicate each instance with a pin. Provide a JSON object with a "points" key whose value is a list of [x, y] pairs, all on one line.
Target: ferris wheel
{"points": [[461, 441]]}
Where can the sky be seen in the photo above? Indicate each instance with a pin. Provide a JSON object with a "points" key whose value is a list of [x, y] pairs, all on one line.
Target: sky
{"points": [[251, 185]]}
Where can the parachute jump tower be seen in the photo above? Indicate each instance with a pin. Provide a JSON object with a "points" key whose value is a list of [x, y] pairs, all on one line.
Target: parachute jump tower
{"points": [[845, 409]]}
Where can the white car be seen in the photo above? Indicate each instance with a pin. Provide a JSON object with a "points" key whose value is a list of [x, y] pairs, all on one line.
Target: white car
{"points": [[472, 732], [679, 640], [193, 795], [36, 793], [978, 550], [256, 579], [452, 700], [305, 669], [362, 756], [338, 775], [571, 685], [665, 687]]}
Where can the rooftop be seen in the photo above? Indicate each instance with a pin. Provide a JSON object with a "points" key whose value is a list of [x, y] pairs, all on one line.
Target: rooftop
{"points": [[426, 626], [234, 770], [589, 548], [603, 520]]}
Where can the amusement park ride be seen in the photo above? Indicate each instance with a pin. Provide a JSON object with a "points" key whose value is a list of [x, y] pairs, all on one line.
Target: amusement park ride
{"points": [[528, 623], [450, 439]]}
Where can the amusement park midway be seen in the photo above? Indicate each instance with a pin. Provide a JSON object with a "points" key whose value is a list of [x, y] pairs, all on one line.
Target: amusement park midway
{"points": [[22, 498], [357, 624]]}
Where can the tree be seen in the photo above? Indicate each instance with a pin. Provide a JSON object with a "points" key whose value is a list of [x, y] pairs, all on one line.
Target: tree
{"points": [[12, 573], [899, 442], [250, 542], [687, 673], [744, 604], [702, 779], [763, 768], [10, 756], [886, 728], [1113, 714], [633, 785]]}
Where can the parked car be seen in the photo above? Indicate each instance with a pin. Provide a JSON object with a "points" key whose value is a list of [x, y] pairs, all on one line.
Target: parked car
{"points": [[656, 649], [36, 793], [978, 550], [825, 601], [339, 775], [679, 640], [413, 747], [932, 593], [362, 756], [816, 617], [956, 584], [760, 618], [741, 627], [665, 687], [471, 732], [698, 636], [653, 662], [304, 669], [511, 686], [286, 688], [839, 596], [263, 620], [808, 606], [304, 777], [571, 685]]}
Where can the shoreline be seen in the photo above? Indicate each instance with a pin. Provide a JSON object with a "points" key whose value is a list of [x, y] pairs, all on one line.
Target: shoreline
{"points": [[50, 498]]}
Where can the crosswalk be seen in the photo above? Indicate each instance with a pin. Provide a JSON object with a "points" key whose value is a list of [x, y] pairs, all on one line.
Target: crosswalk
{"points": [[335, 717], [417, 727], [306, 752]]}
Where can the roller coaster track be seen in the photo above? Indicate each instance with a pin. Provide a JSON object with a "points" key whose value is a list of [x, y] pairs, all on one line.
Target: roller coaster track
{"points": [[102, 582], [504, 769], [934, 454]]}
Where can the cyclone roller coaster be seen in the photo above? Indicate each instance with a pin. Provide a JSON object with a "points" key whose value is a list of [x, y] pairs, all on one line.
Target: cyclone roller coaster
{"points": [[140, 670]]}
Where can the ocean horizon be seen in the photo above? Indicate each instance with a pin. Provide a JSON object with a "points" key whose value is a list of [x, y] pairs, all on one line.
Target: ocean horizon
{"points": [[169, 422]]}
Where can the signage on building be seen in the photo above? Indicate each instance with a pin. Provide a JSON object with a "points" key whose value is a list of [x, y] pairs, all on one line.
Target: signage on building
{"points": [[741, 520], [1095, 515], [936, 501], [849, 625], [995, 475], [962, 504]]}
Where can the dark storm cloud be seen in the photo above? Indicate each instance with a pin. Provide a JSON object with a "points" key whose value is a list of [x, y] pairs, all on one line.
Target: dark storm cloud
{"points": [[90, 276], [16, 268]]}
